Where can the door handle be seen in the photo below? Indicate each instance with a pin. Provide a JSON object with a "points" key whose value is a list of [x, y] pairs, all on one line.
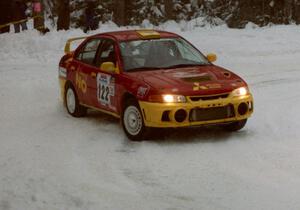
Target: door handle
{"points": [[93, 74]]}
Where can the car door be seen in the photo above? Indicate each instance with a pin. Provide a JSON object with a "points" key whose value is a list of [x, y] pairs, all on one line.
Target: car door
{"points": [[105, 83], [86, 69]]}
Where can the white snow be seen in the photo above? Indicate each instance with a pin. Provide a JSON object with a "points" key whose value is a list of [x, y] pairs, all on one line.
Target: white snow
{"points": [[51, 161]]}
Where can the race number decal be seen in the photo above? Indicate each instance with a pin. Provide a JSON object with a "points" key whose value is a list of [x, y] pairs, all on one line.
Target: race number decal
{"points": [[105, 88]]}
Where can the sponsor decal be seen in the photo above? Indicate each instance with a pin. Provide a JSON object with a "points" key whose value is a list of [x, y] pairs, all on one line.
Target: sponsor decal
{"points": [[197, 86], [105, 88], [142, 91], [81, 82]]}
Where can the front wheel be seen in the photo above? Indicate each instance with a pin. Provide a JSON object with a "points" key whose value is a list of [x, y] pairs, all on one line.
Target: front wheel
{"points": [[72, 103], [235, 126], [132, 121]]}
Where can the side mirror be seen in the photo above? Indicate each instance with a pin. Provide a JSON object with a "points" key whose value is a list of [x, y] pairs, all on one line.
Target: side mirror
{"points": [[108, 67], [211, 57]]}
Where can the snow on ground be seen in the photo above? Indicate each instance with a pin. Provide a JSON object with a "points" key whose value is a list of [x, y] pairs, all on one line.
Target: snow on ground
{"points": [[51, 161]]}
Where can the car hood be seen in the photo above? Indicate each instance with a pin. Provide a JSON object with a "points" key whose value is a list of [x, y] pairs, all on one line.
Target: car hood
{"points": [[200, 80]]}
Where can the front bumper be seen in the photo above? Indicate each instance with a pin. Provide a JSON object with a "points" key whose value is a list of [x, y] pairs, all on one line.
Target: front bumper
{"points": [[163, 115]]}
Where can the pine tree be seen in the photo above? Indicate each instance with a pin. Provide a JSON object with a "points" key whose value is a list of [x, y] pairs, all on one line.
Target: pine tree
{"points": [[236, 13]]}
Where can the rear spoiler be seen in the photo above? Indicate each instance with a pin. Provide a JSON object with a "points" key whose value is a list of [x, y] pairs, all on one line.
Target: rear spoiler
{"points": [[69, 42]]}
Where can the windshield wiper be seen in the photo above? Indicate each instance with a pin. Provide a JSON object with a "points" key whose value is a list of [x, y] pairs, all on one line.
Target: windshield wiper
{"points": [[186, 65], [143, 68]]}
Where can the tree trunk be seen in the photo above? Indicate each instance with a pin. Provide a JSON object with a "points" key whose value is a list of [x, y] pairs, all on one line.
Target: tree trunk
{"points": [[169, 9], [119, 13], [5, 15], [63, 21], [297, 12], [288, 10]]}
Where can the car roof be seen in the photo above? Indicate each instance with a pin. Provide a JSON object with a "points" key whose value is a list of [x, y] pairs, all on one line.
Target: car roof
{"points": [[128, 35]]}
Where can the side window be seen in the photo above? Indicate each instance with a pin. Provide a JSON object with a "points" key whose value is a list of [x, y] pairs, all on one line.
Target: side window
{"points": [[88, 52], [107, 53]]}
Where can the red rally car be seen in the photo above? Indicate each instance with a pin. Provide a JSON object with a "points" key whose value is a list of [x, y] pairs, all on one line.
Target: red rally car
{"points": [[151, 79]]}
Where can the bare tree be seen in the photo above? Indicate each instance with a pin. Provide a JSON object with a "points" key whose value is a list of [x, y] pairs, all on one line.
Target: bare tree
{"points": [[169, 9], [50, 6], [297, 11], [63, 21], [120, 13], [288, 9]]}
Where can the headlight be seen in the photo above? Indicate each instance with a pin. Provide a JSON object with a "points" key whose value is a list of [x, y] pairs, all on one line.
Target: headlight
{"points": [[242, 91], [174, 99], [167, 98]]}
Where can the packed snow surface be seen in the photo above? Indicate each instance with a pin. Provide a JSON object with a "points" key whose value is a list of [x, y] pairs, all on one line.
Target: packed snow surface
{"points": [[52, 161]]}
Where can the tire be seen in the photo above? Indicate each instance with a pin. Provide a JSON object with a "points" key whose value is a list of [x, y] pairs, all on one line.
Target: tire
{"points": [[235, 126], [72, 103], [133, 122]]}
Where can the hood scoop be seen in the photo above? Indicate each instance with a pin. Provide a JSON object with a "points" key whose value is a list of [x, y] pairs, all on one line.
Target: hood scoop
{"points": [[193, 76], [199, 79]]}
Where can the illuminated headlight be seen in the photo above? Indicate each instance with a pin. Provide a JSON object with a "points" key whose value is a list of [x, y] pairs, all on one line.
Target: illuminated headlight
{"points": [[242, 91], [174, 99]]}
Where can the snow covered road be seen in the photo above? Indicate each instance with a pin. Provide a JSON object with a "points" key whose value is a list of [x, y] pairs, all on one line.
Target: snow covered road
{"points": [[51, 161]]}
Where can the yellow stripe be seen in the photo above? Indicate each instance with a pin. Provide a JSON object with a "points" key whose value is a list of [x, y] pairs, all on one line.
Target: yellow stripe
{"points": [[40, 27], [101, 110], [20, 21]]}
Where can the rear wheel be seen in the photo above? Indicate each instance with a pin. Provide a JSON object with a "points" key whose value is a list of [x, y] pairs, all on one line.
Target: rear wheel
{"points": [[132, 121], [235, 126], [72, 103]]}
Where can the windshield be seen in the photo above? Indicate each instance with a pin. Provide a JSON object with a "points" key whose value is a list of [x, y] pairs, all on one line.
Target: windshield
{"points": [[153, 54]]}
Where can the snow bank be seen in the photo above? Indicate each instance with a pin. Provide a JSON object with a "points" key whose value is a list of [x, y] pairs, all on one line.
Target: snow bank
{"points": [[51, 161]]}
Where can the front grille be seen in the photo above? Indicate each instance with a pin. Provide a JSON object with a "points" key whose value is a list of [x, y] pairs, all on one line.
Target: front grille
{"points": [[206, 98], [214, 113]]}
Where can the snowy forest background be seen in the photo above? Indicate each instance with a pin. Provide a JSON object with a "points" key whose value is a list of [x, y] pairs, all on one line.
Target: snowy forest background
{"points": [[234, 13]]}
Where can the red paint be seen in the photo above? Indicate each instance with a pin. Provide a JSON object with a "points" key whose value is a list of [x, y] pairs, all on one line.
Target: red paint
{"points": [[148, 83]]}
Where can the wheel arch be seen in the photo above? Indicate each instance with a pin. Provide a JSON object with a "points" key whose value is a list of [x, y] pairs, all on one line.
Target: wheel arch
{"points": [[68, 83], [126, 97], [80, 110], [129, 100]]}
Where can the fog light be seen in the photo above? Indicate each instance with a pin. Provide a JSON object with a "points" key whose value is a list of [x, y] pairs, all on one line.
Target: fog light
{"points": [[243, 109], [180, 115]]}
